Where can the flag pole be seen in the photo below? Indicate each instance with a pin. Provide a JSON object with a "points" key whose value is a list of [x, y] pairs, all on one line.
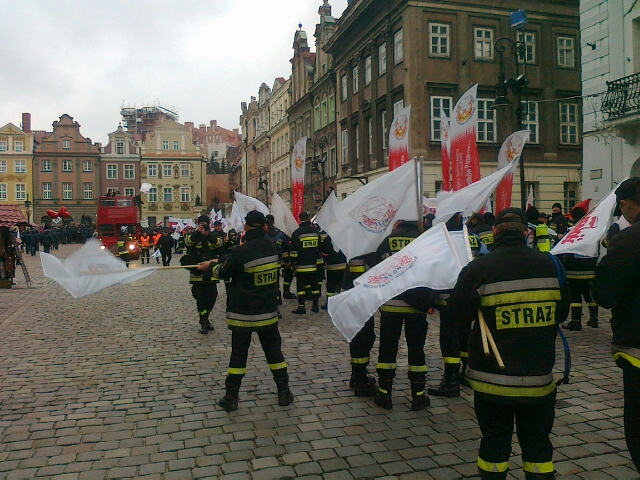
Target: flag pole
{"points": [[417, 170], [100, 272]]}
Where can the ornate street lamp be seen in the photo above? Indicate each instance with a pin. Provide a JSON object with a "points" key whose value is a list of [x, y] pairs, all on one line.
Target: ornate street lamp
{"points": [[27, 208]]}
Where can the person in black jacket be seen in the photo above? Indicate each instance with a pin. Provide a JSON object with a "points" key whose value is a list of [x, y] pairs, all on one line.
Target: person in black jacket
{"points": [[520, 295], [336, 265], [166, 247], [305, 251], [252, 306], [617, 286]]}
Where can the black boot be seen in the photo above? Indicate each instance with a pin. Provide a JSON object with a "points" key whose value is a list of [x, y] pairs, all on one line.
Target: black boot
{"points": [[288, 295], [383, 395], [573, 325], [203, 325], [230, 400], [450, 383], [419, 400], [539, 476], [363, 384], [285, 397], [593, 317], [209, 325], [301, 310], [492, 475], [314, 307]]}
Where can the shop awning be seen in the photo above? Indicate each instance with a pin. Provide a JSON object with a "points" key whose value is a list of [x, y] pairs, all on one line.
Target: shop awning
{"points": [[10, 215]]}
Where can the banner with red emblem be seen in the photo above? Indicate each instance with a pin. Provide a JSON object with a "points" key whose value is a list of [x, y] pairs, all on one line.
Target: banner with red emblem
{"points": [[462, 136], [399, 139], [510, 152], [446, 151], [297, 176]]}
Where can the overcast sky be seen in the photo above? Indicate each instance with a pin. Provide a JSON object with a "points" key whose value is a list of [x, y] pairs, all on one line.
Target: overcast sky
{"points": [[87, 58]]}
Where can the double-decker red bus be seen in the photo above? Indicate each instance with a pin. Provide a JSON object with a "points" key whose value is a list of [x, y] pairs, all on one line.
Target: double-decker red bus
{"points": [[116, 215]]}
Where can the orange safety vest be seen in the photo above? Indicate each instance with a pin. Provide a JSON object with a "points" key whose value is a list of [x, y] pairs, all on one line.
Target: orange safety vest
{"points": [[156, 238], [146, 241]]}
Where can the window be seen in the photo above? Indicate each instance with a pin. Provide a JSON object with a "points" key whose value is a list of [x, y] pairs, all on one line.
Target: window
{"points": [[185, 170], [165, 144], [67, 191], [185, 194], [20, 166], [367, 70], [18, 146], [87, 166], [152, 169], [153, 195], [129, 192], [398, 47], [3, 148], [439, 39], [483, 43], [530, 120], [87, 191], [167, 194], [333, 165], [21, 191], [570, 195], [345, 147], [397, 108], [316, 117], [385, 132], [356, 79], [569, 124], [529, 40], [46, 165], [332, 108], [46, 191], [176, 145], [129, 172], [566, 52], [323, 109], [67, 165], [382, 59], [66, 144], [370, 137], [120, 148], [3, 191], [356, 130], [112, 172], [486, 131], [166, 170], [439, 104], [344, 86]]}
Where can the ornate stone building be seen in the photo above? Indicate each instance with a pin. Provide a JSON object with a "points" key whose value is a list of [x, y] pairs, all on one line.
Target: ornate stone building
{"points": [[120, 165], [280, 167], [16, 164]]}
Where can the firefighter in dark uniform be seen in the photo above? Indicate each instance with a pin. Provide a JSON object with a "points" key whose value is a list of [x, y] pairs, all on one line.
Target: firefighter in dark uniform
{"points": [[484, 230], [336, 265], [203, 246], [123, 247], [305, 251], [280, 239], [252, 306], [522, 295], [580, 272], [320, 263], [617, 286], [393, 314]]}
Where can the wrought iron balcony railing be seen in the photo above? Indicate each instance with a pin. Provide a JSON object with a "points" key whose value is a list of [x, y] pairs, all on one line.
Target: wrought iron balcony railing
{"points": [[622, 97]]}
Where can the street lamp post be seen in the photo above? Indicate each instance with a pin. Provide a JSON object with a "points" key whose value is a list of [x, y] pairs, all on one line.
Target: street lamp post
{"points": [[318, 166], [263, 185], [27, 208]]}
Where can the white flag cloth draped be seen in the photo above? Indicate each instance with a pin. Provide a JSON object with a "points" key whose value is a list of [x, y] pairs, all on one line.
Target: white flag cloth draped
{"points": [[327, 214], [367, 216], [428, 261], [90, 270], [145, 187], [246, 204], [471, 198], [236, 221], [282, 216], [584, 238]]}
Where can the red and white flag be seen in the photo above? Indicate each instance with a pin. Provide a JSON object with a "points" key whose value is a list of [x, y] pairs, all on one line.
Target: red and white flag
{"points": [[462, 132], [297, 176], [510, 152], [399, 139], [446, 151], [530, 199]]}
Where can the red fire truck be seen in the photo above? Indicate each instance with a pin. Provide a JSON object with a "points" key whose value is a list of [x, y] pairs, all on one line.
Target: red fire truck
{"points": [[117, 215]]}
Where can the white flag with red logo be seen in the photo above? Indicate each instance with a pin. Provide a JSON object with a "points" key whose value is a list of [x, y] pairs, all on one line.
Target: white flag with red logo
{"points": [[399, 138], [367, 216], [247, 204], [445, 146], [510, 152], [298, 157], [462, 136], [282, 216], [428, 261], [584, 238]]}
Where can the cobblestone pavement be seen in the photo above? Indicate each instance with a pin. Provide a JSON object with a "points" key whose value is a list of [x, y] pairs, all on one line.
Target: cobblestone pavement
{"points": [[120, 384]]}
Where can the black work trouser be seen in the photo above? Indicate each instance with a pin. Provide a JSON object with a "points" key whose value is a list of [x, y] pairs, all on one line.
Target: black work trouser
{"points": [[360, 348], [144, 252], [453, 339], [579, 289], [166, 257], [287, 277], [271, 346], [334, 281], [415, 332], [206, 294], [307, 286], [533, 422], [631, 377]]}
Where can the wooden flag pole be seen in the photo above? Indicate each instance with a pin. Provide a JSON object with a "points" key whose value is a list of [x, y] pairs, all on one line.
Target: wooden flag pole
{"points": [[100, 272], [486, 336]]}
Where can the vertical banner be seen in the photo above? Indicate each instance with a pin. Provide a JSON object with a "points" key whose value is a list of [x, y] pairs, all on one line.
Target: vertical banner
{"points": [[509, 152], [446, 151], [530, 199], [297, 176], [399, 139], [462, 133]]}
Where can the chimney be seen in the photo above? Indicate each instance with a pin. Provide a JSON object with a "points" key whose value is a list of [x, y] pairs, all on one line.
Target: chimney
{"points": [[188, 126], [214, 123], [26, 122], [236, 132]]}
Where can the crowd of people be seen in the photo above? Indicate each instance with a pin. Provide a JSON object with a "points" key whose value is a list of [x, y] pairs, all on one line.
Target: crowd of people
{"points": [[31, 239]]}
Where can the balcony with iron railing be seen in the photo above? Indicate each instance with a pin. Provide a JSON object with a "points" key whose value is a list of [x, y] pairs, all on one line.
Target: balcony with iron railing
{"points": [[622, 97]]}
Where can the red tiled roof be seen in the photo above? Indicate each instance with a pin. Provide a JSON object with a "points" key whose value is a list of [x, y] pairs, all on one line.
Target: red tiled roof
{"points": [[10, 215]]}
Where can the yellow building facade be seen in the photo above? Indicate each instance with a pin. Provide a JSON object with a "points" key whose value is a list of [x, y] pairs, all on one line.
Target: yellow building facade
{"points": [[16, 163]]}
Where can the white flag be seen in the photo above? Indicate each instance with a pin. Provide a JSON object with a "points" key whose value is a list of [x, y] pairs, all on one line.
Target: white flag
{"points": [[282, 216], [530, 199], [584, 238], [471, 198], [236, 220], [145, 187], [428, 261], [90, 270], [246, 204], [327, 214], [367, 216]]}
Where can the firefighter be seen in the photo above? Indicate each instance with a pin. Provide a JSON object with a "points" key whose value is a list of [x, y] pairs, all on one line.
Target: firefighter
{"points": [[123, 246], [203, 246], [393, 314], [558, 222], [484, 230], [305, 251], [539, 236], [156, 244], [617, 286], [252, 306], [580, 271], [280, 239], [336, 265], [522, 295], [145, 245]]}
